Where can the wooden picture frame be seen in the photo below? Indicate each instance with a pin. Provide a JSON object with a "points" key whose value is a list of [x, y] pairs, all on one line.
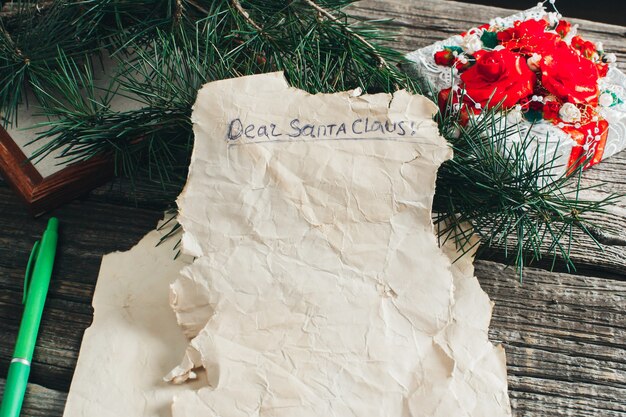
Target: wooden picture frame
{"points": [[42, 194]]}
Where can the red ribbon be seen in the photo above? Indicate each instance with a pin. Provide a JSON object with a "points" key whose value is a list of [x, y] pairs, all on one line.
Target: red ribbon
{"points": [[590, 140]]}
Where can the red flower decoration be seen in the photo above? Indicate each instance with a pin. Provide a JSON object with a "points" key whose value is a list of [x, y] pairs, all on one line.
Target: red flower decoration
{"points": [[445, 58], [499, 76], [551, 110], [569, 76], [586, 48], [563, 28], [528, 37], [535, 69]]}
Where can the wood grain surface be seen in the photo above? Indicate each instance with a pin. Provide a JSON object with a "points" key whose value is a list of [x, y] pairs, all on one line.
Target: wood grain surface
{"points": [[564, 333]]}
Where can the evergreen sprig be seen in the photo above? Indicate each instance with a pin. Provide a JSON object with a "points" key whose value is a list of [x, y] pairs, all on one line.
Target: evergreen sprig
{"points": [[508, 193], [165, 57], [30, 39]]}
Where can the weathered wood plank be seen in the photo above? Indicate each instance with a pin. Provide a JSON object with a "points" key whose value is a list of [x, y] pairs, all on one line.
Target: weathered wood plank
{"points": [[565, 340], [41, 401]]}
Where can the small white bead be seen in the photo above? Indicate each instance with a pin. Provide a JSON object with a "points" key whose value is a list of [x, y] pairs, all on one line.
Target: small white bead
{"points": [[478, 106], [605, 100]]}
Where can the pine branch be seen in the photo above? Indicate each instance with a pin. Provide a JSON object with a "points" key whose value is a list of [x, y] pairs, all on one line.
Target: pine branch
{"points": [[507, 193], [165, 74], [25, 59], [156, 138], [237, 5], [77, 29], [327, 14]]}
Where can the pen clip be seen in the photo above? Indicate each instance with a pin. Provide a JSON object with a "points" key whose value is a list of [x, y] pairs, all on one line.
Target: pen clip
{"points": [[32, 259]]}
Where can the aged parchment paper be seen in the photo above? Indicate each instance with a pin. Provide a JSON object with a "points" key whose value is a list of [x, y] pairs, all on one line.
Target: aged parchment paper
{"points": [[318, 287], [133, 339]]}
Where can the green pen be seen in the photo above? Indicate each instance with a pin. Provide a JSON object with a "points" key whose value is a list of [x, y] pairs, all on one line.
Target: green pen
{"points": [[36, 282]]}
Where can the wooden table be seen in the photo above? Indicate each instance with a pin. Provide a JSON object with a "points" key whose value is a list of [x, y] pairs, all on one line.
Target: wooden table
{"points": [[564, 333]]}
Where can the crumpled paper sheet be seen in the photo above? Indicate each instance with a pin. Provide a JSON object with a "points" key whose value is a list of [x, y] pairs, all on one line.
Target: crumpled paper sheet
{"points": [[318, 287], [134, 337]]}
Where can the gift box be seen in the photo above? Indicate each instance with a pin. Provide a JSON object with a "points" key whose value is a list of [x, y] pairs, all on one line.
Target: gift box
{"points": [[556, 88]]}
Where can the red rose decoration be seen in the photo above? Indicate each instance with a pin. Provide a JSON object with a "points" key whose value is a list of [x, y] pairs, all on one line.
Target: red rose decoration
{"points": [[528, 37], [586, 48], [523, 29], [563, 28], [551, 110], [531, 67], [444, 58], [569, 76], [499, 76]]}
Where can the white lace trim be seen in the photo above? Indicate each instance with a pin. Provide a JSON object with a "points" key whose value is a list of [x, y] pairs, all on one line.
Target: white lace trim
{"points": [[614, 82]]}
